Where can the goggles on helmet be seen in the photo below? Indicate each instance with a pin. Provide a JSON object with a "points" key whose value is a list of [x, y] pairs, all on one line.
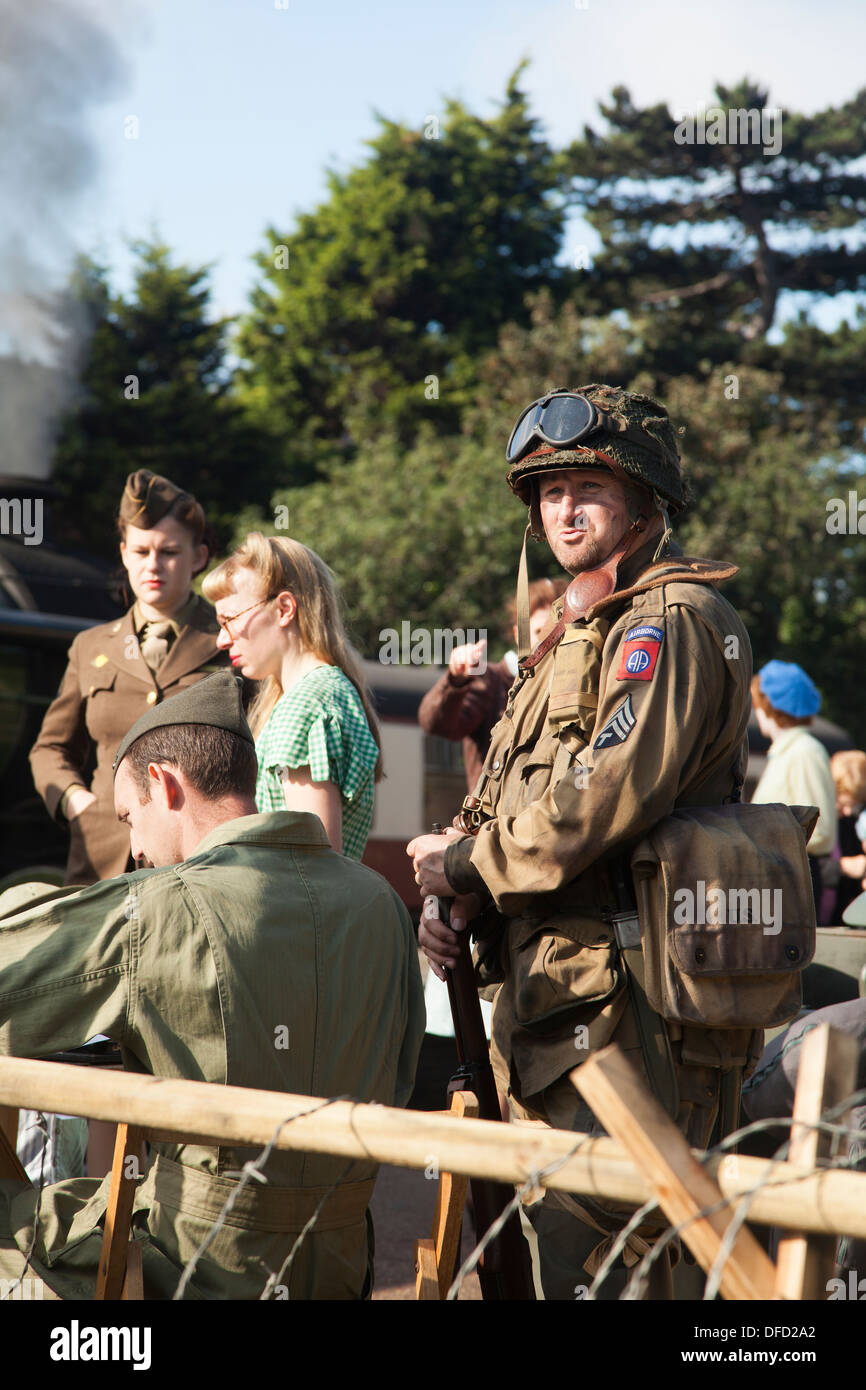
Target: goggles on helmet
{"points": [[563, 418]]}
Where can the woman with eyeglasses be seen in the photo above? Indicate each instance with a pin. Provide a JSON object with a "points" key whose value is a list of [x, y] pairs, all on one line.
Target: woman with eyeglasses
{"points": [[317, 738]]}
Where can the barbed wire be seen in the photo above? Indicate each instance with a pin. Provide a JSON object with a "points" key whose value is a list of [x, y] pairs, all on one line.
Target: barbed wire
{"points": [[771, 1178], [252, 1170], [640, 1276], [531, 1184], [42, 1124], [607, 1264], [285, 1273], [729, 1142]]}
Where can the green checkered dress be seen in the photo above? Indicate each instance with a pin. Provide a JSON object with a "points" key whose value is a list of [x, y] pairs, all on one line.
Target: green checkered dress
{"points": [[320, 724]]}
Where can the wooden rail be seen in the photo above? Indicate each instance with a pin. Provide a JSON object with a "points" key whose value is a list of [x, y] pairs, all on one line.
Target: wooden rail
{"points": [[831, 1201]]}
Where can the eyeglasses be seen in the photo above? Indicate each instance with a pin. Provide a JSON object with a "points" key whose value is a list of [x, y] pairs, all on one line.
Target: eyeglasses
{"points": [[562, 418], [224, 622]]}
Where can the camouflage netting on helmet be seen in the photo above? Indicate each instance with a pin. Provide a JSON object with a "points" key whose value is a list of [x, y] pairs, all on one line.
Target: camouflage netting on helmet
{"points": [[656, 467]]}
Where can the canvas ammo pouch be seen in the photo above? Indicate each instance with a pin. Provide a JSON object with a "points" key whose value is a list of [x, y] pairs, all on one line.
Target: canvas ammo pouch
{"points": [[727, 914]]}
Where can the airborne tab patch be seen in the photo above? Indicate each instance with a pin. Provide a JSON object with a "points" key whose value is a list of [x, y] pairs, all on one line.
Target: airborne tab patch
{"points": [[618, 727], [640, 653]]}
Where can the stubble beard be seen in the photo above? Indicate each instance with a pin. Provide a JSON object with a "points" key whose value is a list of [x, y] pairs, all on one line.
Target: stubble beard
{"points": [[589, 557]]}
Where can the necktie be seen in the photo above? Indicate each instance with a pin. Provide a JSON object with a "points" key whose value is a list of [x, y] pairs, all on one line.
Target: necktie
{"points": [[155, 642]]}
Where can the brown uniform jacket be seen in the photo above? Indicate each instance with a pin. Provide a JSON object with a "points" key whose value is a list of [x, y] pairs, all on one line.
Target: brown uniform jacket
{"points": [[106, 688], [467, 709], [588, 757]]}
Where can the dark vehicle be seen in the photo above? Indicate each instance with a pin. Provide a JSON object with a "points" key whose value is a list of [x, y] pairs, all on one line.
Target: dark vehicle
{"points": [[43, 595]]}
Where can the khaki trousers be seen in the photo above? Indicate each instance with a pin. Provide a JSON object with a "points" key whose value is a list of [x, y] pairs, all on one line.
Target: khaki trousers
{"points": [[570, 1236]]}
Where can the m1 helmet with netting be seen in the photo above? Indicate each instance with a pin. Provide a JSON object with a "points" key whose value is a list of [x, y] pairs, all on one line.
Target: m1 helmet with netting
{"points": [[654, 465]]}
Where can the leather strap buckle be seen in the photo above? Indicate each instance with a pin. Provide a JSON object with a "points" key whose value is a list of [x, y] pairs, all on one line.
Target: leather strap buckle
{"points": [[471, 817]]}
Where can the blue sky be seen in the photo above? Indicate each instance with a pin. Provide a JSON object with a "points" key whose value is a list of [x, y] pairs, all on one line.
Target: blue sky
{"points": [[241, 104]]}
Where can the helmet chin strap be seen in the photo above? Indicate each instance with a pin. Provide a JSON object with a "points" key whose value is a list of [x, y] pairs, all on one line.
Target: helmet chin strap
{"points": [[661, 507], [523, 638]]}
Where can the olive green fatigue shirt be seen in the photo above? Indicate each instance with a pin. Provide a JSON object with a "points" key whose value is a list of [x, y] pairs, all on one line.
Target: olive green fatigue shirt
{"points": [[592, 751], [265, 960]]}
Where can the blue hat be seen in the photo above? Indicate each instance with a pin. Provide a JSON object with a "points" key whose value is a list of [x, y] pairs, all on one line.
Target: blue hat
{"points": [[789, 689]]}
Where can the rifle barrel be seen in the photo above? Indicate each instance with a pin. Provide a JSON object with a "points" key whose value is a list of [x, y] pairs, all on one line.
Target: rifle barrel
{"points": [[503, 1270]]}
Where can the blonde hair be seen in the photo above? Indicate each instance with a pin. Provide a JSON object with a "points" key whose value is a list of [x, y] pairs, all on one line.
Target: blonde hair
{"points": [[849, 773], [279, 564]]}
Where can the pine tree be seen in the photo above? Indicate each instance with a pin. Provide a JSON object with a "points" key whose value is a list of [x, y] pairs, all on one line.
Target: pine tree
{"points": [[155, 393], [369, 314]]}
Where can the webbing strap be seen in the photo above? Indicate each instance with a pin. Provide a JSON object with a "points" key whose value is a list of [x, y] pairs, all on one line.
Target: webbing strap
{"points": [[523, 601], [730, 1090], [654, 1040]]}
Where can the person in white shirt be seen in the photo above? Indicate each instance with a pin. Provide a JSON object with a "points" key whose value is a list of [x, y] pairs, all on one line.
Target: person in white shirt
{"points": [[798, 766]]}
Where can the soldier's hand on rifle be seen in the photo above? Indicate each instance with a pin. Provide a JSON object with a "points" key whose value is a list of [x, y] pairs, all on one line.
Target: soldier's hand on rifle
{"points": [[440, 943], [427, 853], [468, 660]]}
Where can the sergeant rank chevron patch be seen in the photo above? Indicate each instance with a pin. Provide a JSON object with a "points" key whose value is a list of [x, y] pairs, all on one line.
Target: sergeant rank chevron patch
{"points": [[618, 727]]}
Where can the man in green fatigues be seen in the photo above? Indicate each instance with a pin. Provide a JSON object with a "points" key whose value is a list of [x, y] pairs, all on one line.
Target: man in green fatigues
{"points": [[250, 955], [637, 702]]}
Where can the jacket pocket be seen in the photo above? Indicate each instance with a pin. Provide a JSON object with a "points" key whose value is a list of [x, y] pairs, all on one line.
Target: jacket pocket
{"points": [[98, 679], [558, 966], [537, 771], [576, 678]]}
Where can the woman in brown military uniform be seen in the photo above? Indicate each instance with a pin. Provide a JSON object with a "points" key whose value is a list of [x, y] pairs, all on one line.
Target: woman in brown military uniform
{"points": [[165, 642]]}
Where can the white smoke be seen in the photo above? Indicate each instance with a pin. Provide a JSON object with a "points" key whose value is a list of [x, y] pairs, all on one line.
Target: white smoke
{"points": [[58, 60]]}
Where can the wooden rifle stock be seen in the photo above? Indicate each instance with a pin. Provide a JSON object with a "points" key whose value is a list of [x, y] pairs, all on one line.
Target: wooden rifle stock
{"points": [[503, 1270]]}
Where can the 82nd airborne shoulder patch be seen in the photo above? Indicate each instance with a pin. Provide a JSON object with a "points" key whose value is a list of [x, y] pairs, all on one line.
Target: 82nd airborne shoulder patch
{"points": [[640, 653]]}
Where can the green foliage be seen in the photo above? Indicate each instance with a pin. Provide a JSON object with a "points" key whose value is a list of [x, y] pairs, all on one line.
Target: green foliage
{"points": [[154, 393], [430, 534], [398, 329], [701, 238], [370, 313], [761, 479]]}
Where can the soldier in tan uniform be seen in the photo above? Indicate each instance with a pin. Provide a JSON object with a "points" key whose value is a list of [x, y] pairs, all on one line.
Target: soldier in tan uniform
{"points": [[636, 703], [164, 643], [251, 955]]}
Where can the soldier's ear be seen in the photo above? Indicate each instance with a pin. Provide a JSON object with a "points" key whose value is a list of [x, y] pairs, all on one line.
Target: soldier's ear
{"points": [[163, 784]]}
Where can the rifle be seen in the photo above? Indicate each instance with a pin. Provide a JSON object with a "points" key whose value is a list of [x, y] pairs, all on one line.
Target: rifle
{"points": [[503, 1270]]}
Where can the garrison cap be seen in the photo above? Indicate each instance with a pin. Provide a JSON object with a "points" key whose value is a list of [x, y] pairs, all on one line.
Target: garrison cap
{"points": [[147, 498], [216, 700]]}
